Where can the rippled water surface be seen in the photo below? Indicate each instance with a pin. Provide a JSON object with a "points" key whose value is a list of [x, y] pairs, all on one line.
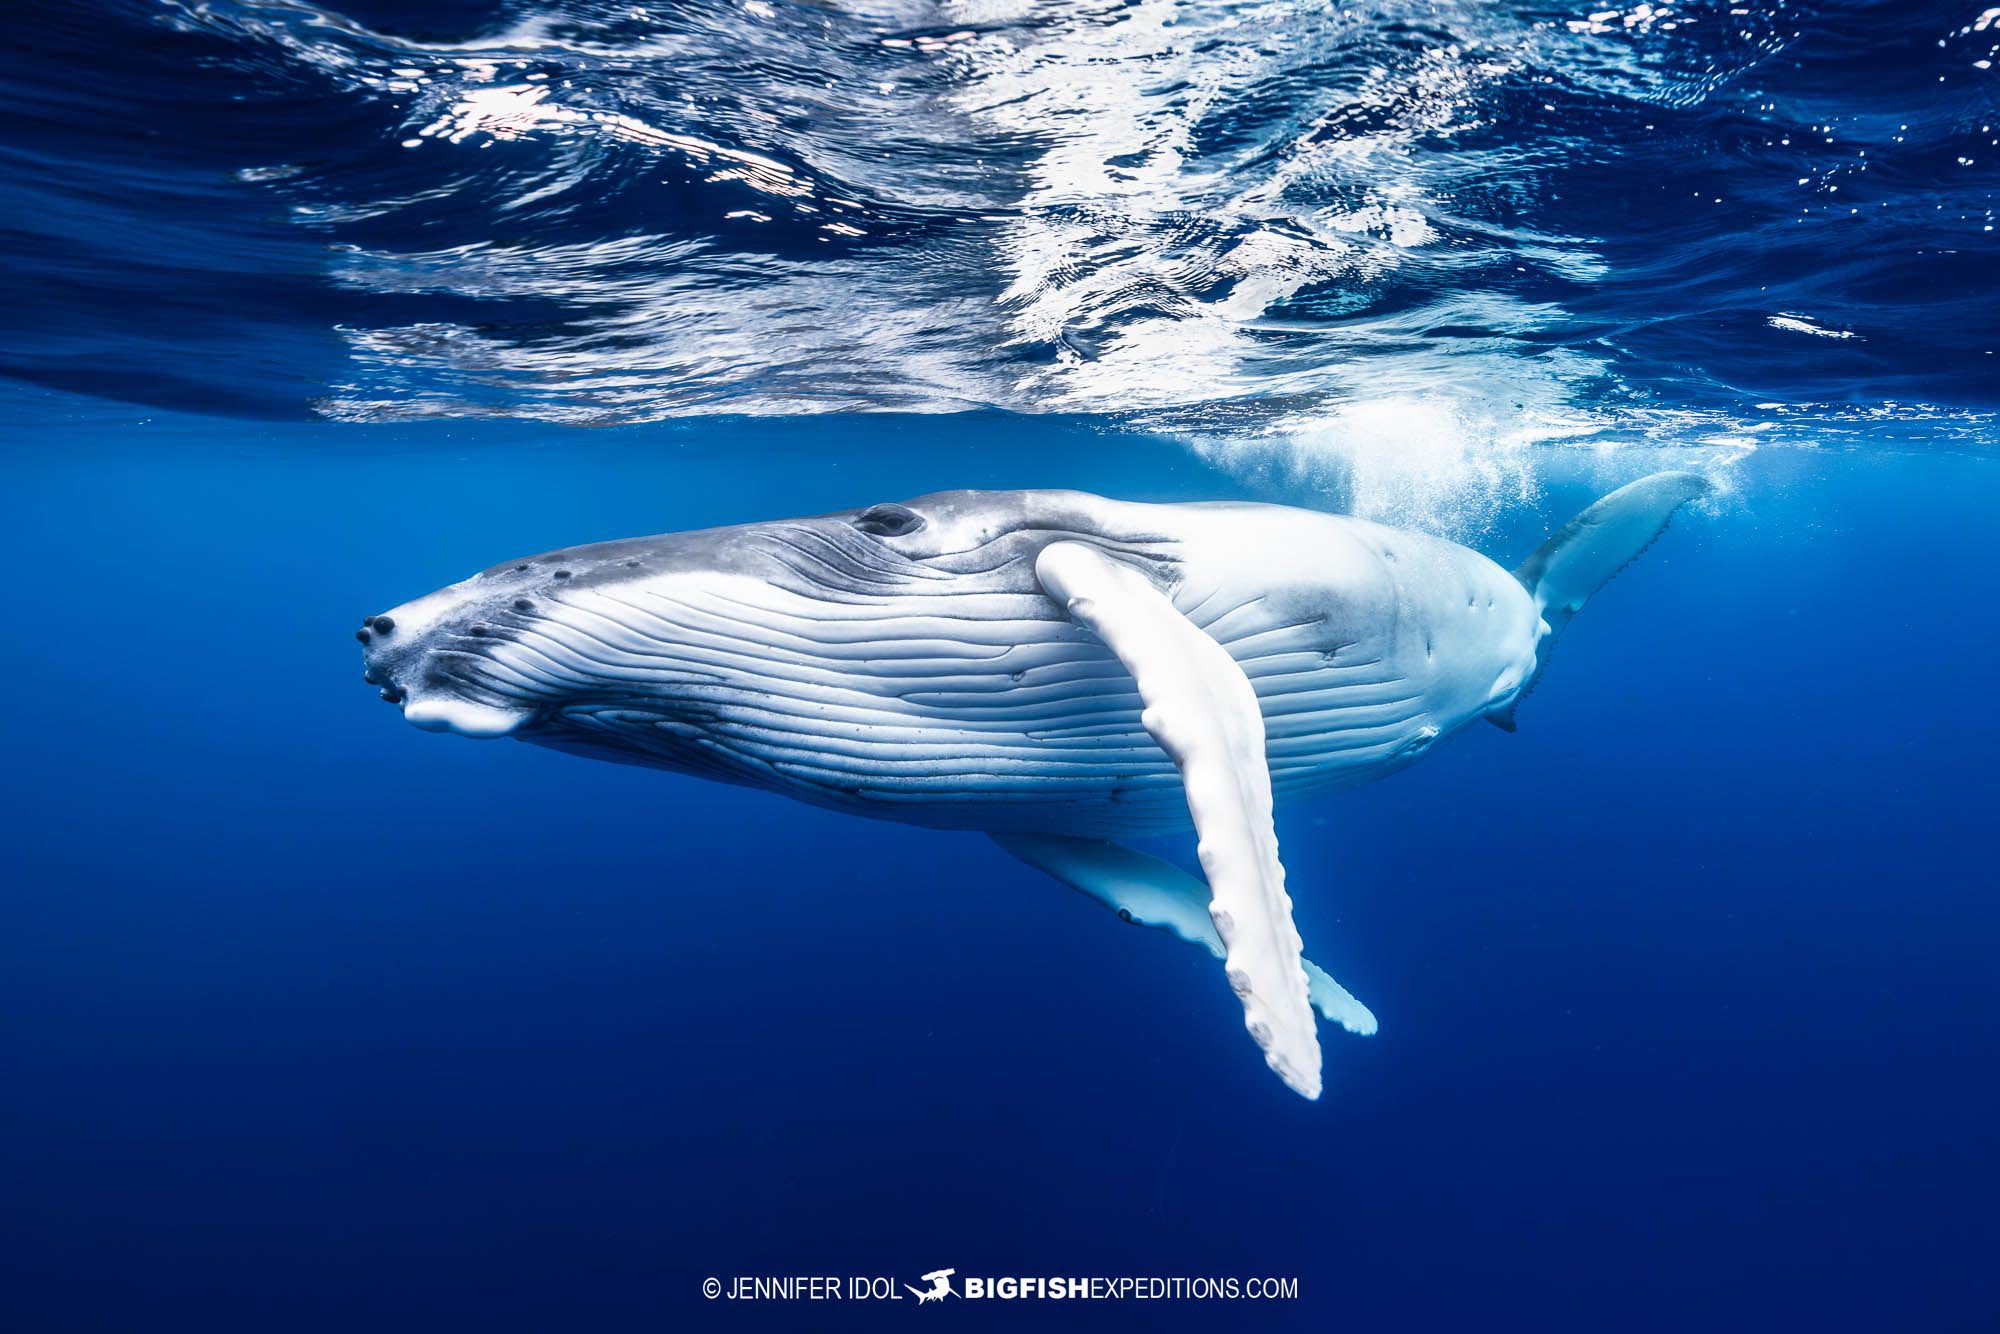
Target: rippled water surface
{"points": [[1335, 225]]}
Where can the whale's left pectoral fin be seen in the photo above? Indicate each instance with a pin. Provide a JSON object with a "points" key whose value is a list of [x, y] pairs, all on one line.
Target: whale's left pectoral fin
{"points": [[1202, 710], [1147, 891]]}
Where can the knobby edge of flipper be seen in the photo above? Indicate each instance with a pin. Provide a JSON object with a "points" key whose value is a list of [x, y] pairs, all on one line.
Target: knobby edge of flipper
{"points": [[1202, 710], [1150, 891], [1567, 570]]}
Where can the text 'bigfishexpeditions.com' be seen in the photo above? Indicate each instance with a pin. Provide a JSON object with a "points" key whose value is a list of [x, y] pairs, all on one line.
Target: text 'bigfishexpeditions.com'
{"points": [[940, 1285]]}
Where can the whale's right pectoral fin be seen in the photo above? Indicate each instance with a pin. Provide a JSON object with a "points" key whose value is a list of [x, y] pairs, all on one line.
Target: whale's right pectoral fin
{"points": [[1202, 710], [1147, 891]]}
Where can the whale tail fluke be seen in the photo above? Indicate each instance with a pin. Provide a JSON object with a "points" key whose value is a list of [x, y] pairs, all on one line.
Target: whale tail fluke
{"points": [[1567, 569]]}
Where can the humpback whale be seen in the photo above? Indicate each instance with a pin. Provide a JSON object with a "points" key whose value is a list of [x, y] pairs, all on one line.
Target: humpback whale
{"points": [[1056, 669]]}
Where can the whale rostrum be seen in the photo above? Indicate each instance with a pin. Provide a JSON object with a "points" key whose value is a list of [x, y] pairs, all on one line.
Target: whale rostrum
{"points": [[1059, 670]]}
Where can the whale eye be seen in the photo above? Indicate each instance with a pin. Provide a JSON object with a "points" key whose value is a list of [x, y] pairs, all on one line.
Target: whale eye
{"points": [[889, 520]]}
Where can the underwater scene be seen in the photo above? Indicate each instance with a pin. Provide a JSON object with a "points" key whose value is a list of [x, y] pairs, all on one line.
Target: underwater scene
{"points": [[786, 665]]}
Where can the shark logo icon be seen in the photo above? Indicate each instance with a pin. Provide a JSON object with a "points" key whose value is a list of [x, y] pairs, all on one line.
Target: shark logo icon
{"points": [[939, 1289]]}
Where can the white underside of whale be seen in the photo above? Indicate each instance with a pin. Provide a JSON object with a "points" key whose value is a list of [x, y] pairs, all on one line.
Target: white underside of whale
{"points": [[993, 711]]}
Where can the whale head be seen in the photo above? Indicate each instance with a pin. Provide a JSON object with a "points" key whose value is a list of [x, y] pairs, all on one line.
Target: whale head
{"points": [[667, 650], [433, 657]]}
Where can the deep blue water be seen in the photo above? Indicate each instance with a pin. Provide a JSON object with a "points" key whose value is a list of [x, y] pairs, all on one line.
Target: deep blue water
{"points": [[312, 1021]]}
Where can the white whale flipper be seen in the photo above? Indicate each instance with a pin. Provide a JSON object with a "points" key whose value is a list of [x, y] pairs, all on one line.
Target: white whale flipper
{"points": [[1203, 712], [1147, 891], [1336, 1002]]}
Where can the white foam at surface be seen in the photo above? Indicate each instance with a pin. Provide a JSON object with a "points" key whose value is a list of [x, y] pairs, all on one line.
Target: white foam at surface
{"points": [[1800, 324]]}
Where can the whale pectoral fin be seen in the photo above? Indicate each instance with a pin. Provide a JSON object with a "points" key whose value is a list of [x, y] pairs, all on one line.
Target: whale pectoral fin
{"points": [[1337, 1003], [1140, 889], [1202, 710], [1147, 891]]}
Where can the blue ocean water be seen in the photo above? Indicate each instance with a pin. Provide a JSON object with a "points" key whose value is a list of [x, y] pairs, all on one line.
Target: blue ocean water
{"points": [[312, 1021]]}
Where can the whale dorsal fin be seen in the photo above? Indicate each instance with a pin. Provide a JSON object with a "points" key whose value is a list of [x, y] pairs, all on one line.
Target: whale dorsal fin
{"points": [[1202, 710]]}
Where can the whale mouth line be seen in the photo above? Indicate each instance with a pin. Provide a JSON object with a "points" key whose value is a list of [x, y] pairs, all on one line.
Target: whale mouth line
{"points": [[464, 717]]}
